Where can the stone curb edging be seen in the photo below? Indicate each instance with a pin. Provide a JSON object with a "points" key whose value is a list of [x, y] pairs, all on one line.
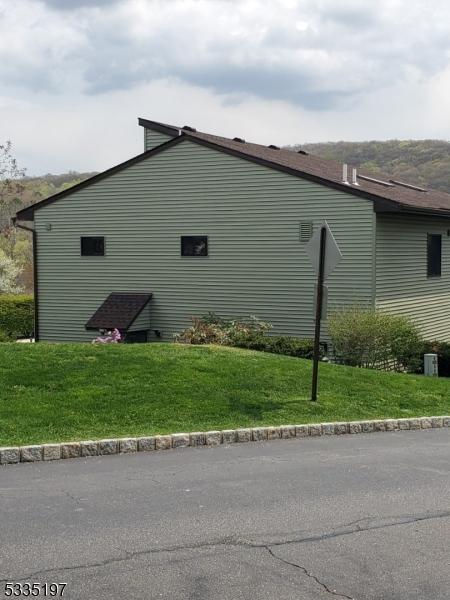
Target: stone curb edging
{"points": [[46, 452]]}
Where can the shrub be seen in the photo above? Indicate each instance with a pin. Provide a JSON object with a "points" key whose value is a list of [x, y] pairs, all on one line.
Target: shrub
{"points": [[16, 316], [278, 344], [212, 329], [442, 349], [243, 333], [369, 338]]}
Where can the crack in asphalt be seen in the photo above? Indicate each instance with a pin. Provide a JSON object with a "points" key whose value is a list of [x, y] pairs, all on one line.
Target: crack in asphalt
{"points": [[304, 570], [343, 530], [355, 527]]}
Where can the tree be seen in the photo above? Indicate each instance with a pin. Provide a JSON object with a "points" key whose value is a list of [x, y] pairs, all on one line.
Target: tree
{"points": [[9, 272], [11, 187], [14, 246]]}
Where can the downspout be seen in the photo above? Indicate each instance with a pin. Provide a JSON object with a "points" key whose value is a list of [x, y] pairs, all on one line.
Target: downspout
{"points": [[35, 277]]}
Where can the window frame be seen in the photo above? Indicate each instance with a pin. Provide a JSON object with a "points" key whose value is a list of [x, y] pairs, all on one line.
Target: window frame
{"points": [[184, 237], [92, 237], [433, 273]]}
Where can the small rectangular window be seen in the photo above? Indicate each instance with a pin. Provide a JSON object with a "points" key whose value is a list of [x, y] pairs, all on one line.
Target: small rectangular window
{"points": [[434, 255], [194, 245], [92, 246]]}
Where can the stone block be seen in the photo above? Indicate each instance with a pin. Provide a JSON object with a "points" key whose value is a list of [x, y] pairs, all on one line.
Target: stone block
{"points": [[355, 427], [315, 429], [9, 455], [108, 446], [445, 421], [403, 424], [341, 428], [127, 445], [425, 423], [328, 428], [229, 436], [301, 430], [89, 448], [437, 422], [146, 444], [163, 442], [367, 426], [287, 432], [244, 435], [51, 451], [414, 424], [180, 440], [273, 433], [30, 453], [379, 425], [197, 438], [71, 450], [259, 434], [213, 438], [391, 424]]}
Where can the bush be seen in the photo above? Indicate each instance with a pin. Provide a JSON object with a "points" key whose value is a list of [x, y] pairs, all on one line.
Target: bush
{"points": [[212, 329], [251, 334], [16, 316], [369, 338], [442, 349], [278, 344]]}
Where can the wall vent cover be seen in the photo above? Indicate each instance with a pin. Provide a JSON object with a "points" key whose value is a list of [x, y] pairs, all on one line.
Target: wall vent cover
{"points": [[306, 231]]}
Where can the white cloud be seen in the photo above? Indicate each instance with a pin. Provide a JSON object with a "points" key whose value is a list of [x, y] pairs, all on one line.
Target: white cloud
{"points": [[284, 71]]}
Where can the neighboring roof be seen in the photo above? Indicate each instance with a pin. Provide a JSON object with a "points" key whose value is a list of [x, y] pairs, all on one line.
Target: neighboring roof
{"points": [[119, 310], [387, 195]]}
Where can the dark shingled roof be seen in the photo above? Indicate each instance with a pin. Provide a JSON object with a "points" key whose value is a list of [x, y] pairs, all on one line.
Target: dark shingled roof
{"points": [[119, 310], [329, 171], [390, 197]]}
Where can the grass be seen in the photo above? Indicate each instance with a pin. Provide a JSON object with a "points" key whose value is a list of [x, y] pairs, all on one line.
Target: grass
{"points": [[66, 392]]}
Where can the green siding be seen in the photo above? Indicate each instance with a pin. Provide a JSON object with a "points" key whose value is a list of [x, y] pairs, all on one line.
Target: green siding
{"points": [[256, 263], [154, 138], [402, 285], [142, 321]]}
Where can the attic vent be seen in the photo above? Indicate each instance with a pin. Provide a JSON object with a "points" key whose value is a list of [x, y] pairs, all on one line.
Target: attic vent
{"points": [[373, 180], [187, 128], [273, 147], [306, 231], [408, 185], [237, 139], [302, 152]]}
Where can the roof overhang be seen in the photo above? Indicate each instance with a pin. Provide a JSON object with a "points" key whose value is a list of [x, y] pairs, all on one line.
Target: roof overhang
{"points": [[159, 127], [119, 311]]}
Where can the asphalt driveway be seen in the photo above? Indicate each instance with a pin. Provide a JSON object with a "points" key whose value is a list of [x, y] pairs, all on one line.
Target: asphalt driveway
{"points": [[360, 516]]}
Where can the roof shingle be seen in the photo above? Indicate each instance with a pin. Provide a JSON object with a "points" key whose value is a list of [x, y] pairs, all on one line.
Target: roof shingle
{"points": [[119, 310]]}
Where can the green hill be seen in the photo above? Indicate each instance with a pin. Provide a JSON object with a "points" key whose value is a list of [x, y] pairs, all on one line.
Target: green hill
{"points": [[423, 162]]}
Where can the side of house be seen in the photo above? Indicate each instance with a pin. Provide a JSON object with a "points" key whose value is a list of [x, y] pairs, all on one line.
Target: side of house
{"points": [[250, 214], [413, 270]]}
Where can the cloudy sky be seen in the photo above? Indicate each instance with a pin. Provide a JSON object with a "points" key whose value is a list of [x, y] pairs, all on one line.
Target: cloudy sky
{"points": [[76, 74]]}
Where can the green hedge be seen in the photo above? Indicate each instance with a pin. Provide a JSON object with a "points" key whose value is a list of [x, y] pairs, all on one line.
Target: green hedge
{"points": [[16, 316], [278, 344]]}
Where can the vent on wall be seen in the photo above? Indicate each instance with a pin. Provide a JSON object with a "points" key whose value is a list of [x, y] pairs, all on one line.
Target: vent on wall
{"points": [[306, 231]]}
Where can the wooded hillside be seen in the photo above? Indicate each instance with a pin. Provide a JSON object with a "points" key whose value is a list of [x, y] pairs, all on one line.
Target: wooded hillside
{"points": [[423, 162]]}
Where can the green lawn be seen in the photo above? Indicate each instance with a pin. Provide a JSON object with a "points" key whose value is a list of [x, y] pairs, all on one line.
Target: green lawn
{"points": [[56, 392]]}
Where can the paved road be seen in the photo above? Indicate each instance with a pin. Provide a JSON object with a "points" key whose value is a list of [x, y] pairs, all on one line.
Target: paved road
{"points": [[364, 517]]}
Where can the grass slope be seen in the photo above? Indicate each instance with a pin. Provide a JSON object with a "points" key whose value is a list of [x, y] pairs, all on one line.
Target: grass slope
{"points": [[79, 391]]}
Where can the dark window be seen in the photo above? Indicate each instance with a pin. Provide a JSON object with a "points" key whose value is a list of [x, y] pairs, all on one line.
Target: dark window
{"points": [[92, 246], [194, 245], [434, 255]]}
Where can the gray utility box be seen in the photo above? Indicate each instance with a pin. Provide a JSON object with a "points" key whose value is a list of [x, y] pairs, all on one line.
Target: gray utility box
{"points": [[430, 365]]}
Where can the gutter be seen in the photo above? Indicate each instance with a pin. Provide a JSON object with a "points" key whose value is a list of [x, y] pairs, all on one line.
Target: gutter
{"points": [[35, 276]]}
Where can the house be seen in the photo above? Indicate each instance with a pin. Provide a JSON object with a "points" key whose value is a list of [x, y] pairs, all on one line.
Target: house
{"points": [[200, 223]]}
